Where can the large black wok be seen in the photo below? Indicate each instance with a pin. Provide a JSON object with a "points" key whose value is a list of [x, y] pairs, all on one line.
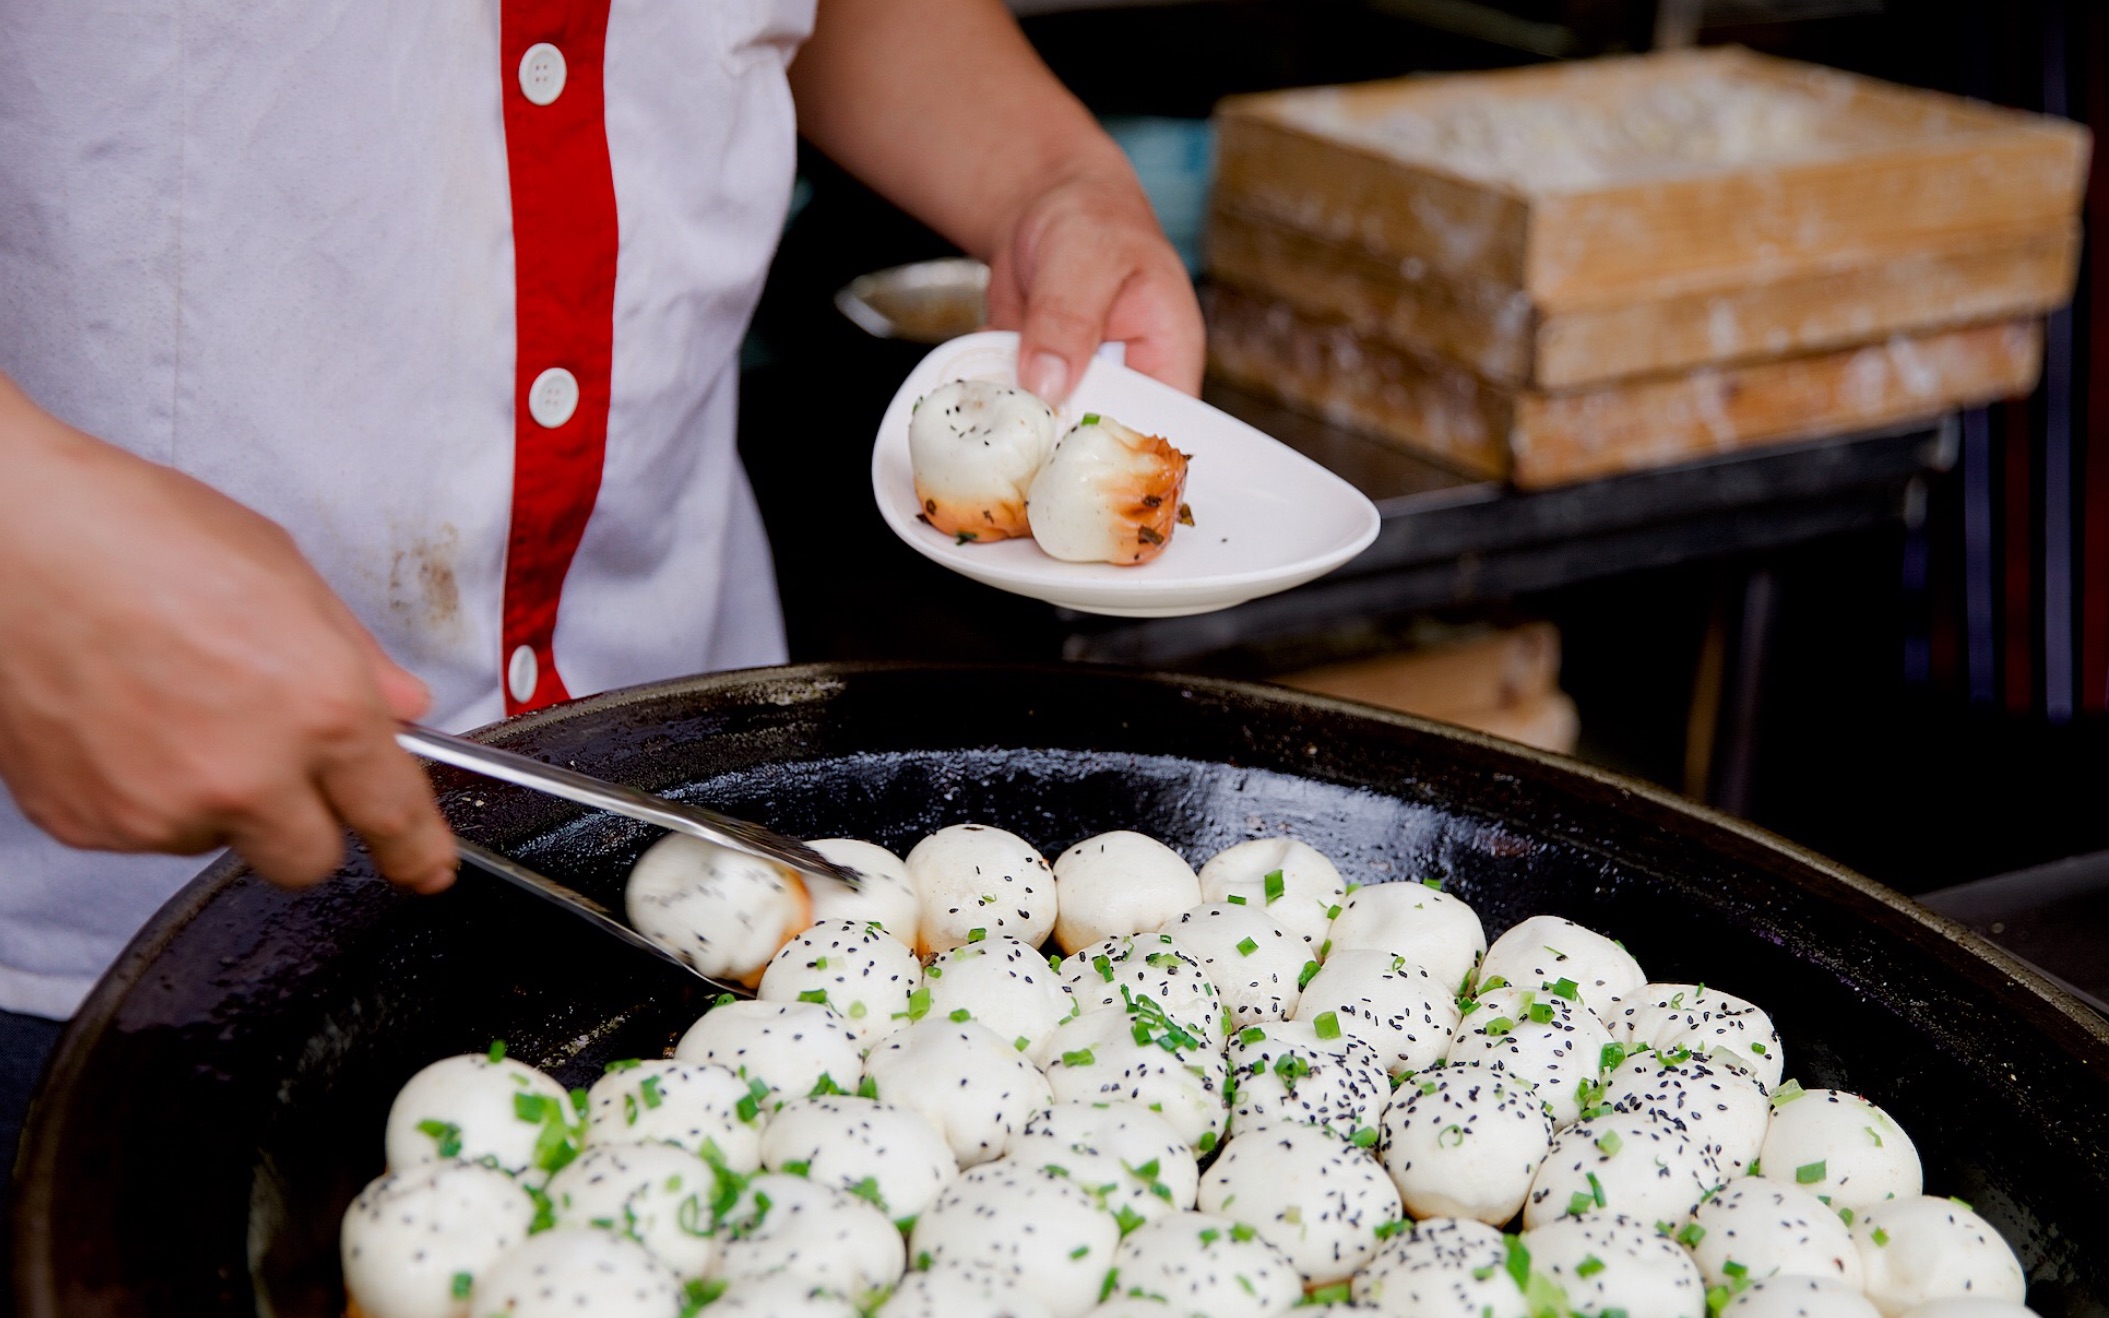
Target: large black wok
{"points": [[221, 1096]]}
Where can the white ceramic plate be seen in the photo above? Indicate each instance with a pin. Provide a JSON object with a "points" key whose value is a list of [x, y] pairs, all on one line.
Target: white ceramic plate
{"points": [[1265, 516]]}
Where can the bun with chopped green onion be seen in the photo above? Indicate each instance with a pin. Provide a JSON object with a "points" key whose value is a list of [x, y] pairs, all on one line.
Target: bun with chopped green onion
{"points": [[414, 1241], [1107, 494]]}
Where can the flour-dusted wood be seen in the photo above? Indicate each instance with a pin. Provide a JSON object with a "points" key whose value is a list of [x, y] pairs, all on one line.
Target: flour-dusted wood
{"points": [[1498, 333], [1471, 320], [1658, 175], [1538, 438], [1359, 383], [1555, 273], [1562, 437]]}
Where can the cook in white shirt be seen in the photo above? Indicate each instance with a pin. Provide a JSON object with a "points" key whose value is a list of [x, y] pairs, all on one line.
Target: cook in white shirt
{"points": [[375, 360]]}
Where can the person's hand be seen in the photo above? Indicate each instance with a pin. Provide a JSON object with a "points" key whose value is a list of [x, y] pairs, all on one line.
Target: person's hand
{"points": [[1086, 263], [945, 109], [175, 677]]}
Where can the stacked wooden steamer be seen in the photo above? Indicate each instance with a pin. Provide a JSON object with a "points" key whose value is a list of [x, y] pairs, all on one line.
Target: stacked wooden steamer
{"points": [[1556, 273]]}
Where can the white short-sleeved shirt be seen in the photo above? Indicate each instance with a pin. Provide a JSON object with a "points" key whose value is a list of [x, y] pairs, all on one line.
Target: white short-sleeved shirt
{"points": [[318, 253]]}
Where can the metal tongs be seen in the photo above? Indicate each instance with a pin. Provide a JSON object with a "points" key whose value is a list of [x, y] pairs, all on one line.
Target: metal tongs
{"points": [[571, 785]]}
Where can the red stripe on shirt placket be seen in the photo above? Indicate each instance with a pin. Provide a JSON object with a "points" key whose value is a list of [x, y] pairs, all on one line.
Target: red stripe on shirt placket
{"points": [[564, 249]]}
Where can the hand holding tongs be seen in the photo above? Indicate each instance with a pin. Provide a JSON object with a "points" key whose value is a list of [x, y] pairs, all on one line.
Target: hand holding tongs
{"points": [[696, 821]]}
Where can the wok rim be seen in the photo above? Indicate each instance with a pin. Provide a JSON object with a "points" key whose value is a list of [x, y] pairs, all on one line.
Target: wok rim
{"points": [[35, 1171]]}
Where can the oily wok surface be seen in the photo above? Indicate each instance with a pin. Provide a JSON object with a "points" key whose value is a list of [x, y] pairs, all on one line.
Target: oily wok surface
{"points": [[222, 1095]]}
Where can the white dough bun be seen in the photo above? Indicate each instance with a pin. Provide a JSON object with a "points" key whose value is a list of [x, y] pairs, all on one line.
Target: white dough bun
{"points": [[1766, 1229], [1004, 984], [409, 1234], [1312, 1195], [1311, 885], [1465, 1142], [1443, 1267], [722, 911], [1918, 1248], [470, 1107], [960, 1292], [787, 1047], [1800, 1297], [1256, 965], [1543, 950], [1210, 1264], [576, 1272], [886, 894], [1425, 926], [695, 1105], [854, 1143], [1119, 883], [852, 967], [974, 881], [1397, 1008], [976, 1088], [1839, 1145]]}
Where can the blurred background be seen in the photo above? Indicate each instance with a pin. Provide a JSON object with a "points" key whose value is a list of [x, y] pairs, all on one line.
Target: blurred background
{"points": [[1874, 619]]}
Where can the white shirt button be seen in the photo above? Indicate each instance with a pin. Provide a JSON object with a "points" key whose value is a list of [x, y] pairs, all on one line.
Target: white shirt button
{"points": [[542, 73], [553, 397], [523, 674]]}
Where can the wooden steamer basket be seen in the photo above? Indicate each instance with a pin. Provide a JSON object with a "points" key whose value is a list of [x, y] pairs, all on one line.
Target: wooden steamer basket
{"points": [[1555, 273]]}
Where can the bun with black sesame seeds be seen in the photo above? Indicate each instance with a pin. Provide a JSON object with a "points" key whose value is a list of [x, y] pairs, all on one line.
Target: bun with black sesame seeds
{"points": [[1544, 951], [1754, 1228], [1464, 1141], [1805, 1297], [656, 1193], [701, 1107], [1119, 883], [1723, 1108], [1406, 1014], [1606, 1261], [576, 1272], [1316, 1197], [881, 1151], [415, 1240], [853, 968], [1098, 1058], [1210, 1264], [476, 1107], [722, 911], [791, 1226], [1256, 965], [1288, 1071], [1150, 974], [1004, 983], [1131, 1159], [977, 1089], [1294, 883], [1426, 926], [1640, 1164], [1040, 1232], [783, 1050], [886, 895], [1919, 1248], [975, 882], [1703, 1021], [1541, 1037], [1442, 1267], [960, 1292], [782, 1296], [1841, 1146], [974, 447]]}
